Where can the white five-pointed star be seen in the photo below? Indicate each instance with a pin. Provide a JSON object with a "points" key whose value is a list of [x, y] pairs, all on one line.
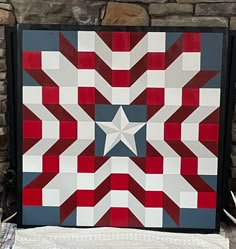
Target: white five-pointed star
{"points": [[120, 129]]}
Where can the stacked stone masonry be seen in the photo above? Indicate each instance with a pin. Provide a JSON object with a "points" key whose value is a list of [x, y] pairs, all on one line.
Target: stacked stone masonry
{"points": [[197, 13]]}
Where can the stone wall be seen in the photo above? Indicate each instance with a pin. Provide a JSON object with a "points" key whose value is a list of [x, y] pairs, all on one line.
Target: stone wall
{"points": [[197, 13], [130, 12], [6, 18]]}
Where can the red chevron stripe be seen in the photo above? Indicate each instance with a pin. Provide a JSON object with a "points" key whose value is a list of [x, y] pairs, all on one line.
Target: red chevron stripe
{"points": [[105, 220], [152, 152], [188, 42], [60, 113], [59, 147], [90, 150], [211, 146], [197, 183], [213, 118], [132, 220], [181, 149], [121, 41], [172, 209], [137, 191], [180, 115], [28, 143], [41, 77], [29, 115], [103, 189], [200, 79], [68, 207], [68, 50], [41, 181]]}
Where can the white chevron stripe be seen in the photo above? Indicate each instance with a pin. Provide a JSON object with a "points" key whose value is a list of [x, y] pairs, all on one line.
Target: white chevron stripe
{"points": [[200, 114], [163, 148], [77, 147], [137, 208], [63, 191], [163, 114], [103, 87], [101, 208], [199, 149], [103, 51], [176, 190], [185, 69], [41, 112], [138, 51], [120, 95], [41, 147], [50, 130], [151, 182], [121, 60], [138, 87], [89, 216], [190, 131], [64, 69], [77, 113], [137, 174]]}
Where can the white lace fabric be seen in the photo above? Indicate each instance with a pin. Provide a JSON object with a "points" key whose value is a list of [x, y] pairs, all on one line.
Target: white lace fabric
{"points": [[113, 238]]}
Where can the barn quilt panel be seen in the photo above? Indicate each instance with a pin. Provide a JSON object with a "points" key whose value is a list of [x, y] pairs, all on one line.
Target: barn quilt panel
{"points": [[120, 128]]}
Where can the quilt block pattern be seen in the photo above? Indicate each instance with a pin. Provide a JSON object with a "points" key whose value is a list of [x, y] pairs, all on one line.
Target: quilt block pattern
{"points": [[120, 128]]}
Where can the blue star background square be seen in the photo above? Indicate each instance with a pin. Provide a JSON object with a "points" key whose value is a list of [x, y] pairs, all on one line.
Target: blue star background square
{"points": [[106, 113]]}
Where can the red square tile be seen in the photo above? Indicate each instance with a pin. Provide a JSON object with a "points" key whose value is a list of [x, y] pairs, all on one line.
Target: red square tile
{"points": [[189, 165], [120, 41], [191, 42], [32, 129], [154, 199], [68, 130], [85, 198], [172, 131], [86, 60], [156, 61], [50, 95], [208, 132], [119, 217], [31, 60], [154, 165], [155, 96], [50, 163], [190, 97], [120, 78], [86, 164], [206, 200], [86, 95], [119, 182], [32, 197]]}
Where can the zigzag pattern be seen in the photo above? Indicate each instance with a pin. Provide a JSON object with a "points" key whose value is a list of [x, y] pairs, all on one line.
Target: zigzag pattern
{"points": [[148, 98]]}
